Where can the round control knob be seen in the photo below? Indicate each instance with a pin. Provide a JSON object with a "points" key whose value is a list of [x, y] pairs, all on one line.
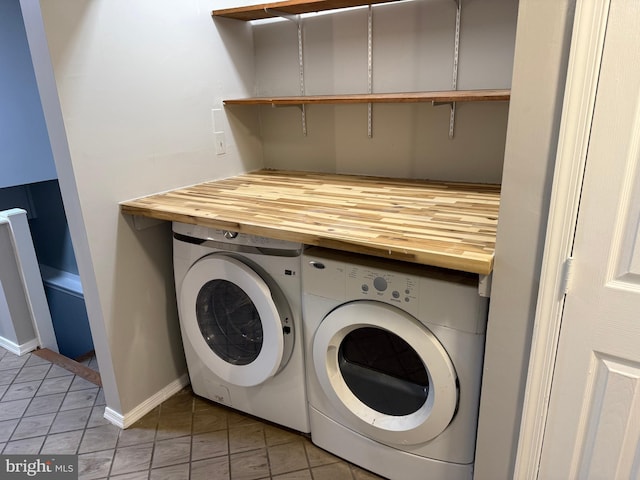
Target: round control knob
{"points": [[380, 284], [365, 287], [396, 294], [228, 234]]}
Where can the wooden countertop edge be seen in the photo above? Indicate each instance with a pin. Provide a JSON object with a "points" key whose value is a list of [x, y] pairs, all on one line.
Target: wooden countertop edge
{"points": [[482, 265]]}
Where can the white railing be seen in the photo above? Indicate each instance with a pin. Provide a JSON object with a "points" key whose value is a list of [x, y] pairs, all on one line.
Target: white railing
{"points": [[25, 321]]}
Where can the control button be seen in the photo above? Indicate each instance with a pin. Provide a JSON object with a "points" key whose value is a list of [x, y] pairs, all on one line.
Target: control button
{"points": [[396, 294], [407, 291], [365, 287], [406, 299], [318, 265], [380, 284], [228, 234]]}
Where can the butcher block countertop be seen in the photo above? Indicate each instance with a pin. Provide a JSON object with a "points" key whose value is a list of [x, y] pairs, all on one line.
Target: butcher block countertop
{"points": [[449, 225]]}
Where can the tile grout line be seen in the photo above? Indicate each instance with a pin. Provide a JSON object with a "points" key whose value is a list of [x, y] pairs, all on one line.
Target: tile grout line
{"points": [[86, 423], [35, 396], [55, 413], [4, 394], [103, 464], [266, 451], [193, 419], [86, 427], [155, 440], [13, 382]]}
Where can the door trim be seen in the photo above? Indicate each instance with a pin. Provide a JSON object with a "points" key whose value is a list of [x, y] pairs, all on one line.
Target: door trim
{"points": [[587, 44]]}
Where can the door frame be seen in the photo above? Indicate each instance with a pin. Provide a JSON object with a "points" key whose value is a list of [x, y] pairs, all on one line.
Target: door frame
{"points": [[587, 44]]}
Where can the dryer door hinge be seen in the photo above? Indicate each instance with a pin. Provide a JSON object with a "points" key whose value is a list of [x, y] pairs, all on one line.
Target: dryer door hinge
{"points": [[567, 276]]}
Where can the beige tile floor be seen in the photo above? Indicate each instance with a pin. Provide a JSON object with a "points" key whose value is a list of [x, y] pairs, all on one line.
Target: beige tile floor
{"points": [[47, 409]]}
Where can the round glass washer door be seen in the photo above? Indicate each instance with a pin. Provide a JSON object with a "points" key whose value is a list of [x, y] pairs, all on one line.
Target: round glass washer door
{"points": [[229, 316], [385, 372]]}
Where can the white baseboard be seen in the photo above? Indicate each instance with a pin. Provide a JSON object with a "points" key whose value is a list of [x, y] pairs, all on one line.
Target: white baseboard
{"points": [[21, 349], [129, 418]]}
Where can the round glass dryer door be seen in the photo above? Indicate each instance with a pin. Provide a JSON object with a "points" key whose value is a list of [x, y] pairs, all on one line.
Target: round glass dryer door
{"points": [[386, 372], [231, 319]]}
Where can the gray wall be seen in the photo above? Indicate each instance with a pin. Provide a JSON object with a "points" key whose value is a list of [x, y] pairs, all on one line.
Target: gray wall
{"points": [[127, 90], [542, 48], [413, 44]]}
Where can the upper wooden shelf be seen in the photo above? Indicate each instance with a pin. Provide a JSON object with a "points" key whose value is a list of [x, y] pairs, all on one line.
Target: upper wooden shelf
{"points": [[410, 97], [290, 7]]}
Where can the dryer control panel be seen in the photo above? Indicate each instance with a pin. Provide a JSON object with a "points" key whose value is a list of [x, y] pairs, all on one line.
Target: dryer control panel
{"points": [[384, 286], [330, 276], [434, 296]]}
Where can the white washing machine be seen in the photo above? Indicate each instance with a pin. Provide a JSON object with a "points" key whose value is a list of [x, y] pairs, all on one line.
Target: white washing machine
{"points": [[394, 361], [239, 301]]}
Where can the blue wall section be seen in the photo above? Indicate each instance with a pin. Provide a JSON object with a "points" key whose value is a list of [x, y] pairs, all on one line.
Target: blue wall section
{"points": [[25, 151], [49, 228]]}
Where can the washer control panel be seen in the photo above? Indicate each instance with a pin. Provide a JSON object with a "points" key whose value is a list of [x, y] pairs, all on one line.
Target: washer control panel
{"points": [[395, 288], [232, 237]]}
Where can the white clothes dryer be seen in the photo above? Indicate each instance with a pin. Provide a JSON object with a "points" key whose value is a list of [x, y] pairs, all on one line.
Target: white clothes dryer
{"points": [[239, 304], [394, 363]]}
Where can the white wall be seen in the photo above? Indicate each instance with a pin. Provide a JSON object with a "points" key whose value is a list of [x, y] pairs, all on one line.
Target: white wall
{"points": [[136, 82], [542, 49], [413, 44]]}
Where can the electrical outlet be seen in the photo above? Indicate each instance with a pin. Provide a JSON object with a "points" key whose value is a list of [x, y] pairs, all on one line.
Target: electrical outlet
{"points": [[221, 146]]}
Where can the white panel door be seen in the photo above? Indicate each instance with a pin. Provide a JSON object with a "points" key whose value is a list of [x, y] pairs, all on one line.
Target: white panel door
{"points": [[593, 425]]}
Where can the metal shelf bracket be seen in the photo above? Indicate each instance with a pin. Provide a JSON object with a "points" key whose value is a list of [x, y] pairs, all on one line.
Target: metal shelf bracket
{"points": [[439, 104], [299, 106], [297, 19], [456, 50], [370, 71]]}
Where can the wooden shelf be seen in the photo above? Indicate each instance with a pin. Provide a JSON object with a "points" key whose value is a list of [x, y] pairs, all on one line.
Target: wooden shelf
{"points": [[410, 97], [290, 7]]}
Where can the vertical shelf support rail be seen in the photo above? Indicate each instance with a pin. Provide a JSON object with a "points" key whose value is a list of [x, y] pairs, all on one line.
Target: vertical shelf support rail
{"points": [[370, 70], [301, 70], [456, 49], [297, 19]]}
